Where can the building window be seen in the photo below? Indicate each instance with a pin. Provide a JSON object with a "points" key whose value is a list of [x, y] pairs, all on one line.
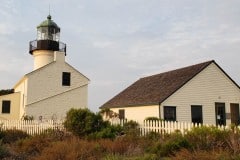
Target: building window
{"points": [[220, 114], [6, 106], [121, 113], [66, 78], [169, 113], [196, 112]]}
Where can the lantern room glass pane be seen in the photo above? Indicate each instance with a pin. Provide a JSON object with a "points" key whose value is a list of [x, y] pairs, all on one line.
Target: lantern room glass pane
{"points": [[46, 33]]}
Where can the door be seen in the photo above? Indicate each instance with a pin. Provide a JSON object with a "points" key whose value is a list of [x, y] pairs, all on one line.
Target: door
{"points": [[220, 113], [121, 113], [196, 112], [234, 108]]}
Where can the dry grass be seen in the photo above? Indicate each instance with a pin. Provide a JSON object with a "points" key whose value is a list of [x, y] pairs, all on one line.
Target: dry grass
{"points": [[185, 154], [197, 145], [72, 148]]}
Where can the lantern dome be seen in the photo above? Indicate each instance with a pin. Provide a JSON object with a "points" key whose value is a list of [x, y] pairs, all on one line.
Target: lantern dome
{"points": [[48, 23], [48, 30], [48, 37]]}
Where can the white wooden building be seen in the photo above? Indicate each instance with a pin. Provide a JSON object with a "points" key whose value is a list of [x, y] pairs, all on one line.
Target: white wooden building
{"points": [[53, 87], [201, 93]]}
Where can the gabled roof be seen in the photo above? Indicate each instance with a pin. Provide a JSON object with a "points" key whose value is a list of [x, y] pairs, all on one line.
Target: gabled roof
{"points": [[155, 89], [41, 68]]}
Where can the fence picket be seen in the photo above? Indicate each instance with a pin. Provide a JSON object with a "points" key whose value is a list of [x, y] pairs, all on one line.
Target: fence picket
{"points": [[31, 127]]}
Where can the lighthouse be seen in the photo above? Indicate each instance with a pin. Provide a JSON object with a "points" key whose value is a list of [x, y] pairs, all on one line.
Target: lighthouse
{"points": [[53, 87], [47, 42]]}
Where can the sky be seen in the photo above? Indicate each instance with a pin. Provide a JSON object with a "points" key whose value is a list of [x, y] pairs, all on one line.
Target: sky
{"points": [[116, 42]]}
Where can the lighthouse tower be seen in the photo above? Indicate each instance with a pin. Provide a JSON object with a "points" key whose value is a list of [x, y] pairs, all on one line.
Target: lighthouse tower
{"points": [[47, 42]]}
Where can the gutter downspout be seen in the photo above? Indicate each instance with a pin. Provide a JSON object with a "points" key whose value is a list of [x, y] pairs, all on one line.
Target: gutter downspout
{"points": [[159, 110]]}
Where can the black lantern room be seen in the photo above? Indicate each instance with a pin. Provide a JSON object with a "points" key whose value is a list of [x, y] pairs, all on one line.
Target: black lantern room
{"points": [[48, 37]]}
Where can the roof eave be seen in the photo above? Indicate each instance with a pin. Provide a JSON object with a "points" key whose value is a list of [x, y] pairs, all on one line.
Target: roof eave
{"points": [[131, 105]]}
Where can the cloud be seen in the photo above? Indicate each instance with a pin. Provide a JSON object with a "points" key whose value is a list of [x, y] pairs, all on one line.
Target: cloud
{"points": [[6, 29], [114, 42], [102, 44]]}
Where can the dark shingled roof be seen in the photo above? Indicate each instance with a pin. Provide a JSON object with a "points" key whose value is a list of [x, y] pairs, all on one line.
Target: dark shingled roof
{"points": [[155, 89]]}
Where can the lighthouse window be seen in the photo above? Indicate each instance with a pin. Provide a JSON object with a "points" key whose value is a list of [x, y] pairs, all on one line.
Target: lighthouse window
{"points": [[66, 78], [6, 106]]}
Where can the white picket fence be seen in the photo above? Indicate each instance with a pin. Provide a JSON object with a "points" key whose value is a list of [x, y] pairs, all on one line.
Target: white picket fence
{"points": [[165, 127], [31, 127], [168, 127], [34, 127]]}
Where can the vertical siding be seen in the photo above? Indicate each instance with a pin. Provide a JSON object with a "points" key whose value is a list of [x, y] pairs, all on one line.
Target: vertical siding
{"points": [[209, 86]]}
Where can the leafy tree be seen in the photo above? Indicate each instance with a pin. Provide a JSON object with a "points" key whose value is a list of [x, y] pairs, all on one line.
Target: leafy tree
{"points": [[108, 114]]}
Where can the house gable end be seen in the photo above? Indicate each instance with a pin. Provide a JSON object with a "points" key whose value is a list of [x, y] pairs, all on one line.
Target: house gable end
{"points": [[51, 77], [187, 81], [208, 87]]}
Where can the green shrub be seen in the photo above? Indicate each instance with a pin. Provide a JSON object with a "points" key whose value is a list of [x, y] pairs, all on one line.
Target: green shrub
{"points": [[131, 128], [174, 145], [82, 122], [153, 136], [152, 119], [171, 144], [9, 136], [206, 138], [3, 151], [108, 132]]}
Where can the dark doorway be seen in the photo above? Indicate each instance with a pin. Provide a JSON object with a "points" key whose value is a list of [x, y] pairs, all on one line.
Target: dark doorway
{"points": [[220, 113], [234, 108], [121, 113], [196, 112]]}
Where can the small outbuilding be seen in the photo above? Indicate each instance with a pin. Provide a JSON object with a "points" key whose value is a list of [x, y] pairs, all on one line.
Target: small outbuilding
{"points": [[201, 93]]}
